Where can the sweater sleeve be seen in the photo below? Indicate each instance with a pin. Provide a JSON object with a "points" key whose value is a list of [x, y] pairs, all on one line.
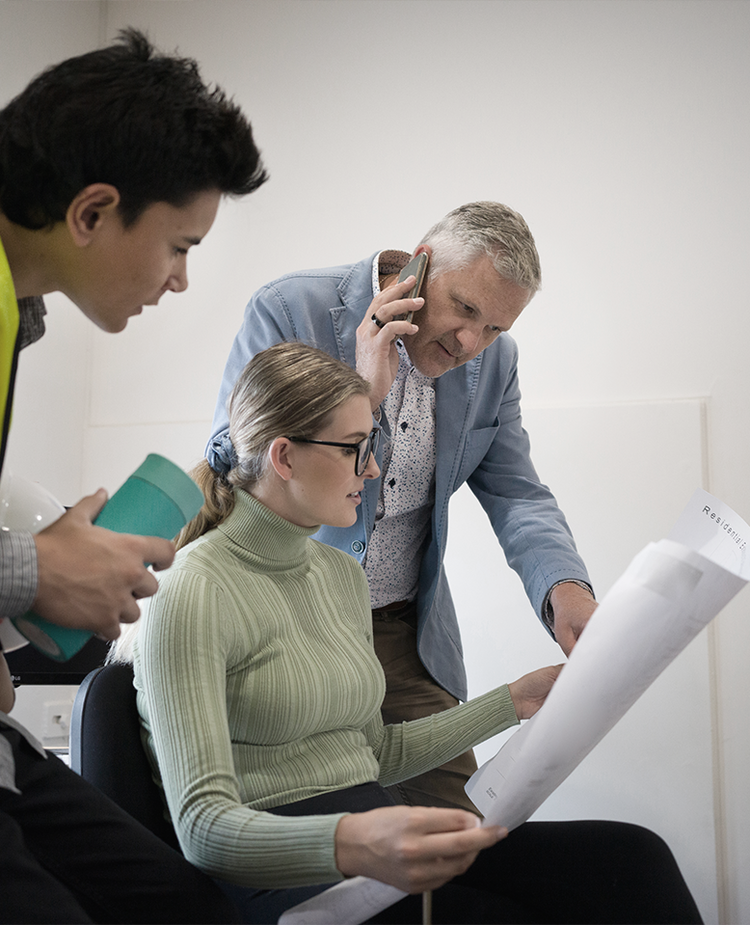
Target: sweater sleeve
{"points": [[183, 647], [406, 749]]}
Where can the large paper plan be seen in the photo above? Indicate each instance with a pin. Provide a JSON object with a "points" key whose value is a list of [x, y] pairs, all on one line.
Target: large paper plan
{"points": [[670, 591], [668, 594]]}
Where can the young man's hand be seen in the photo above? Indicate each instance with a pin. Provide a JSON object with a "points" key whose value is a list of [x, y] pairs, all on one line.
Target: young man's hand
{"points": [[91, 578]]}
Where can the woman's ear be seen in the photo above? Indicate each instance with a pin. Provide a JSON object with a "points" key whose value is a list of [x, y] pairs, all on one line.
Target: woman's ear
{"points": [[89, 210], [280, 456]]}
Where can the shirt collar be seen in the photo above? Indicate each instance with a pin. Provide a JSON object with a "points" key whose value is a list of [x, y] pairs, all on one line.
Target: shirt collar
{"points": [[385, 263]]}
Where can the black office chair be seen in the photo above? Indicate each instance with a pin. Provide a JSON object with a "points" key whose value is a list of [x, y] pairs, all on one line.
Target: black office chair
{"points": [[106, 747]]}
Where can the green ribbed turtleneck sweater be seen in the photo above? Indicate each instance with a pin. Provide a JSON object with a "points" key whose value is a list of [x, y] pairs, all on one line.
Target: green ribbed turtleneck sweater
{"points": [[258, 686]]}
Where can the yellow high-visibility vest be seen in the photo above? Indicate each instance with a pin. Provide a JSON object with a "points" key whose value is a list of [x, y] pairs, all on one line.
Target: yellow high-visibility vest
{"points": [[9, 322]]}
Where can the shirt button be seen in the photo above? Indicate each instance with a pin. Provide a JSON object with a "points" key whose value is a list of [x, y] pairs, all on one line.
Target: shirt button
{"points": [[358, 546]]}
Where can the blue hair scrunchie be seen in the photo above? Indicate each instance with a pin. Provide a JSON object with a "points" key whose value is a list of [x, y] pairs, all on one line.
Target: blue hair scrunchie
{"points": [[221, 455]]}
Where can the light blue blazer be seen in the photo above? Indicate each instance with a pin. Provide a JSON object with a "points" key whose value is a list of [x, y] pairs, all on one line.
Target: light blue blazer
{"points": [[479, 439]]}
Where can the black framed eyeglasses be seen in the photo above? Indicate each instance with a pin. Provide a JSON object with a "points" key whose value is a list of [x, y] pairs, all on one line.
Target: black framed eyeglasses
{"points": [[365, 448]]}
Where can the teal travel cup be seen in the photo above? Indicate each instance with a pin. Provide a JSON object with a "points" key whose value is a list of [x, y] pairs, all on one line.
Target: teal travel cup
{"points": [[157, 500]]}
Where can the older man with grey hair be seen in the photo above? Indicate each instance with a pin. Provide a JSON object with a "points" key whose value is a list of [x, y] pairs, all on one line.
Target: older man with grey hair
{"points": [[445, 393]]}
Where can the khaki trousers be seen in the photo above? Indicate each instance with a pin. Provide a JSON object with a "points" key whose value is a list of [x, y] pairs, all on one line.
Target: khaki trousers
{"points": [[410, 693]]}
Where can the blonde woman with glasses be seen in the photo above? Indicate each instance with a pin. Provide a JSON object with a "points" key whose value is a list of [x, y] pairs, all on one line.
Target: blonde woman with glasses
{"points": [[260, 693]]}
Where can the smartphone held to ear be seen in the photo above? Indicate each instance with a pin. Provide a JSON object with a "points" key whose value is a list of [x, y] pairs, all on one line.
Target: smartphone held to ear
{"points": [[416, 267]]}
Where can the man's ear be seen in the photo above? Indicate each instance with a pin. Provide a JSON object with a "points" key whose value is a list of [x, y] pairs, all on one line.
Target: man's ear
{"points": [[89, 209], [279, 455], [423, 249]]}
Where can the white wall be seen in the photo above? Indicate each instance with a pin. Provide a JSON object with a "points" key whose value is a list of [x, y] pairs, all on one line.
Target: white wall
{"points": [[53, 380], [668, 735], [620, 130]]}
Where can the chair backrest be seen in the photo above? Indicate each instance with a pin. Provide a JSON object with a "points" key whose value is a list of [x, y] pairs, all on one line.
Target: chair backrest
{"points": [[106, 747]]}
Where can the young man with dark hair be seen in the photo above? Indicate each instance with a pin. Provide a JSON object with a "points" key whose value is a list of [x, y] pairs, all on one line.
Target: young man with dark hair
{"points": [[112, 165]]}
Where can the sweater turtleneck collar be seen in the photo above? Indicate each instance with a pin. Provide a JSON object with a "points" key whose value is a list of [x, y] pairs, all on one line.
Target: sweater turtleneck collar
{"points": [[265, 538]]}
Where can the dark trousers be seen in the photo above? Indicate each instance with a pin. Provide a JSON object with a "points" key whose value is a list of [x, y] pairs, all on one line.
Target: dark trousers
{"points": [[410, 692], [543, 872], [563, 872], [69, 854]]}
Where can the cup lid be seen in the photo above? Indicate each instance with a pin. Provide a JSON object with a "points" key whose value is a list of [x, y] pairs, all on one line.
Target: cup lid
{"points": [[176, 484]]}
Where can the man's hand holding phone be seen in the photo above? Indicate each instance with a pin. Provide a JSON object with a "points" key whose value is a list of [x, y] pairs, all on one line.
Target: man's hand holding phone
{"points": [[388, 318]]}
